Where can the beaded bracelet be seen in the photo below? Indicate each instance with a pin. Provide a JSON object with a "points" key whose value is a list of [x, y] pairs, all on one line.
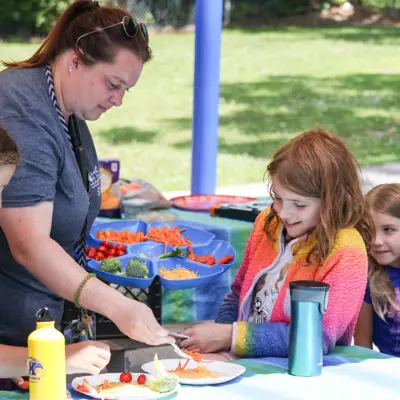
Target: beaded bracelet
{"points": [[80, 288]]}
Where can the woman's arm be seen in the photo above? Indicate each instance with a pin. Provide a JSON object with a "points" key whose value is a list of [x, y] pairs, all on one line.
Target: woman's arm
{"points": [[86, 357], [13, 361], [27, 230], [363, 335]]}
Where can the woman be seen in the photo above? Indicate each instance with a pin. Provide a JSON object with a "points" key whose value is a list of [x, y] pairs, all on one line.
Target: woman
{"points": [[83, 68]]}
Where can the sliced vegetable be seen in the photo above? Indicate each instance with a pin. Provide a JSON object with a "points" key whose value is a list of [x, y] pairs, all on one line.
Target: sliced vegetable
{"points": [[86, 387], [225, 260], [169, 236], [121, 236], [105, 385]]}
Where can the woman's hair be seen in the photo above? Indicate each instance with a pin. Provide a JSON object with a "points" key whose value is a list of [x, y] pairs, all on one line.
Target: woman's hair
{"points": [[9, 154], [84, 16], [384, 199], [318, 164]]}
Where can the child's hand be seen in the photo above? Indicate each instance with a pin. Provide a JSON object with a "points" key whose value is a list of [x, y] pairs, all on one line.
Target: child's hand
{"points": [[21, 383], [208, 337], [87, 357]]}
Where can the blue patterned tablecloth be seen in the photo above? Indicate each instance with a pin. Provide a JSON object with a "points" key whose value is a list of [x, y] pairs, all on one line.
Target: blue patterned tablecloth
{"points": [[349, 373]]}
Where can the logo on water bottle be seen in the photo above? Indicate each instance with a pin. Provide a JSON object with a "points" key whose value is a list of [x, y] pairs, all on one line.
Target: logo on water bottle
{"points": [[36, 370]]}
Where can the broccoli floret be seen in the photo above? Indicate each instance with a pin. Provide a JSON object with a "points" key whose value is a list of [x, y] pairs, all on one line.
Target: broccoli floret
{"points": [[164, 384], [111, 265], [136, 269]]}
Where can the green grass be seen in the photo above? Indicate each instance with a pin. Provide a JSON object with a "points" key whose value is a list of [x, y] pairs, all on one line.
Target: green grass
{"points": [[274, 85]]}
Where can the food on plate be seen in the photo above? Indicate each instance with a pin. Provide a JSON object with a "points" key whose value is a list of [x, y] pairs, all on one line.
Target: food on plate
{"points": [[126, 377], [141, 380], [136, 269], [105, 250], [121, 236], [199, 372], [169, 236], [178, 273], [164, 382], [111, 265]]}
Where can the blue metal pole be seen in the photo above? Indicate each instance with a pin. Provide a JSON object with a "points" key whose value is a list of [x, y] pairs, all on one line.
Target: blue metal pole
{"points": [[208, 21]]}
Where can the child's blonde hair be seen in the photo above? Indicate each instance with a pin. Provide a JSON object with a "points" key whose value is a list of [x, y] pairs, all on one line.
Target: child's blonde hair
{"points": [[9, 154], [384, 199], [318, 164]]}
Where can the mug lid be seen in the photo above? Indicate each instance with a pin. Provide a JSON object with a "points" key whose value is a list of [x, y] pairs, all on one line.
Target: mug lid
{"points": [[309, 285]]}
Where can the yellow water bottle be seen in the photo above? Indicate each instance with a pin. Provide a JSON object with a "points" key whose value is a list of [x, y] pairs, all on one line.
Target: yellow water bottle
{"points": [[46, 360]]}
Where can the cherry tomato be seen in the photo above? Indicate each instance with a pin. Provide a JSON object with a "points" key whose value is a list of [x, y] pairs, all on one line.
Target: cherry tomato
{"points": [[89, 249], [105, 244], [113, 246], [91, 253], [126, 377], [99, 256], [110, 256], [112, 252], [119, 253], [121, 247], [141, 380], [102, 249]]}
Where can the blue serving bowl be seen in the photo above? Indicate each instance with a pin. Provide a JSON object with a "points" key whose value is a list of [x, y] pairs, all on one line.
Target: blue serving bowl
{"points": [[141, 283], [195, 235], [130, 225], [207, 274], [218, 249]]}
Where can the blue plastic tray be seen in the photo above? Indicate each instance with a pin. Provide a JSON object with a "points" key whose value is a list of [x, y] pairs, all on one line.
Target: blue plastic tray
{"points": [[207, 273], [203, 243], [141, 283]]}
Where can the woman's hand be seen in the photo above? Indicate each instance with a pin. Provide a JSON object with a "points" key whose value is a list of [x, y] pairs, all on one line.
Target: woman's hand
{"points": [[208, 337], [137, 321], [87, 357]]}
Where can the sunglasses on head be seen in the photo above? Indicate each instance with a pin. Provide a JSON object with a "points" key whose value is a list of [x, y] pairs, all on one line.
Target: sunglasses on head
{"points": [[131, 27]]}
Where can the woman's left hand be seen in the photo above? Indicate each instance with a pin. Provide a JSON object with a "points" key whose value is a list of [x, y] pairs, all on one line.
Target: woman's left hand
{"points": [[208, 337]]}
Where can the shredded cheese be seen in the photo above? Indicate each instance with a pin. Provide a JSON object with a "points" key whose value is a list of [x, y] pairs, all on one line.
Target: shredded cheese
{"points": [[178, 273]]}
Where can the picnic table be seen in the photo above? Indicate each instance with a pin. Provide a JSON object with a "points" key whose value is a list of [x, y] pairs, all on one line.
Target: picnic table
{"points": [[349, 372]]}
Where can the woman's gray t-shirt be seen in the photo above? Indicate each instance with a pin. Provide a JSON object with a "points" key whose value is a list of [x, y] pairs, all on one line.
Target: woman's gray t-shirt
{"points": [[49, 172]]}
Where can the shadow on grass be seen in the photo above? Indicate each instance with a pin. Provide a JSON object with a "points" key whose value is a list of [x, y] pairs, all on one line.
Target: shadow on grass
{"points": [[127, 134], [362, 109], [364, 34]]}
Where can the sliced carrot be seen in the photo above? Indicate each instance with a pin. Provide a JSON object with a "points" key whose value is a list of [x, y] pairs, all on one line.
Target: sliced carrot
{"points": [[225, 260]]}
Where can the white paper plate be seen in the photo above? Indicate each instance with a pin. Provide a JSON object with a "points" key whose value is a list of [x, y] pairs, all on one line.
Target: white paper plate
{"points": [[141, 392], [226, 371]]}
